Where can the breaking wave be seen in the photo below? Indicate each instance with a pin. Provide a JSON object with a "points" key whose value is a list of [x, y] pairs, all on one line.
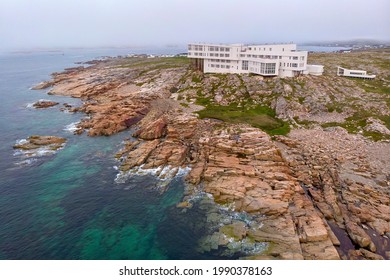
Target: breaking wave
{"points": [[72, 127]]}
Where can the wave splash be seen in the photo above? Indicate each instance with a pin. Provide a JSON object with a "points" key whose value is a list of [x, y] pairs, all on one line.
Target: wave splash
{"points": [[72, 127], [31, 156], [165, 174]]}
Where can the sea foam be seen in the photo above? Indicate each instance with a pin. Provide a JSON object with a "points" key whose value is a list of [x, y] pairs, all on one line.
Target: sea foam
{"points": [[72, 127]]}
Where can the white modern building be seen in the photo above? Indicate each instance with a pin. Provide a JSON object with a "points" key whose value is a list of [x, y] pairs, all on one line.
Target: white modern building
{"points": [[354, 73], [283, 60]]}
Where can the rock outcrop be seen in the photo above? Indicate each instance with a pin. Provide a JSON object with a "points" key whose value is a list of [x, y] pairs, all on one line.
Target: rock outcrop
{"points": [[44, 104], [37, 141]]}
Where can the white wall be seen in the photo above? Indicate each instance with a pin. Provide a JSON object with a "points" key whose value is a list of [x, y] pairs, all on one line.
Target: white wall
{"points": [[281, 54], [316, 70]]}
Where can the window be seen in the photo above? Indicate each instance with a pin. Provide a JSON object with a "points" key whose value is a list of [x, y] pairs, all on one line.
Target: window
{"points": [[227, 49], [355, 73], [216, 49], [294, 64], [283, 49], [270, 68], [244, 65], [227, 55], [295, 58], [270, 49]]}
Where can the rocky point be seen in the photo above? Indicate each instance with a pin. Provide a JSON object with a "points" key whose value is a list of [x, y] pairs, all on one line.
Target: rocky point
{"points": [[319, 192]]}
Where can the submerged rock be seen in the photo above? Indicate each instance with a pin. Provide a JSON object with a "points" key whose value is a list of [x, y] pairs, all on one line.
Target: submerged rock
{"points": [[36, 142]]}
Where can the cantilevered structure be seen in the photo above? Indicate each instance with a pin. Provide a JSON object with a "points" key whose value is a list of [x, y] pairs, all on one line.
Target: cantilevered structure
{"points": [[354, 73], [283, 60]]}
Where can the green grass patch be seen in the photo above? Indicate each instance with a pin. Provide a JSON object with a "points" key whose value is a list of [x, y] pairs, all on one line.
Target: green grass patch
{"points": [[258, 116], [196, 79], [301, 99], [185, 105], [358, 121], [374, 86], [203, 101]]}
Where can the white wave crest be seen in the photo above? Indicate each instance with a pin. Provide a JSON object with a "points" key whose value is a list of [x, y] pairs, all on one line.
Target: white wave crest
{"points": [[21, 141], [165, 174], [72, 127]]}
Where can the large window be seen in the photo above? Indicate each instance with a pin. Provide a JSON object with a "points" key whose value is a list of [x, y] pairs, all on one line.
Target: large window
{"points": [[245, 65], [270, 68]]}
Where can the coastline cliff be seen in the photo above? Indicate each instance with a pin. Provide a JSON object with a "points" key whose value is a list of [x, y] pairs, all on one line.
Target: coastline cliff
{"points": [[306, 158]]}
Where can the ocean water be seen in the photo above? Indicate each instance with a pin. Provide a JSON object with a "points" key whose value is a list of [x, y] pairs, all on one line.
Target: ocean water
{"points": [[67, 205]]}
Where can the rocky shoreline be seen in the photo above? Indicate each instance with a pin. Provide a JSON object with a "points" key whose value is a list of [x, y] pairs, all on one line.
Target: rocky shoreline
{"points": [[310, 194]]}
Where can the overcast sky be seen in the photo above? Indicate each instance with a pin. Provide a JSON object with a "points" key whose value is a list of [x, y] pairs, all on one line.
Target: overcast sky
{"points": [[95, 23]]}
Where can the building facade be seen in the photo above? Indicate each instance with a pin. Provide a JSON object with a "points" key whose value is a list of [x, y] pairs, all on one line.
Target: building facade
{"points": [[354, 73], [281, 60]]}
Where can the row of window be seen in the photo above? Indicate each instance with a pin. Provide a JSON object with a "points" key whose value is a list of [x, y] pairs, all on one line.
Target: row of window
{"points": [[211, 54], [219, 49], [219, 60], [219, 66], [271, 56], [219, 54], [295, 65], [254, 48], [356, 73], [195, 48]]}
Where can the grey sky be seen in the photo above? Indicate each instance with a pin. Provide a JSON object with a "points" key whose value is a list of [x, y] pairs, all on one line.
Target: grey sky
{"points": [[92, 23]]}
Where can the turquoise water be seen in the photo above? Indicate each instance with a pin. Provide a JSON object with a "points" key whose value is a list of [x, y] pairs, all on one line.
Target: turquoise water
{"points": [[67, 205]]}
